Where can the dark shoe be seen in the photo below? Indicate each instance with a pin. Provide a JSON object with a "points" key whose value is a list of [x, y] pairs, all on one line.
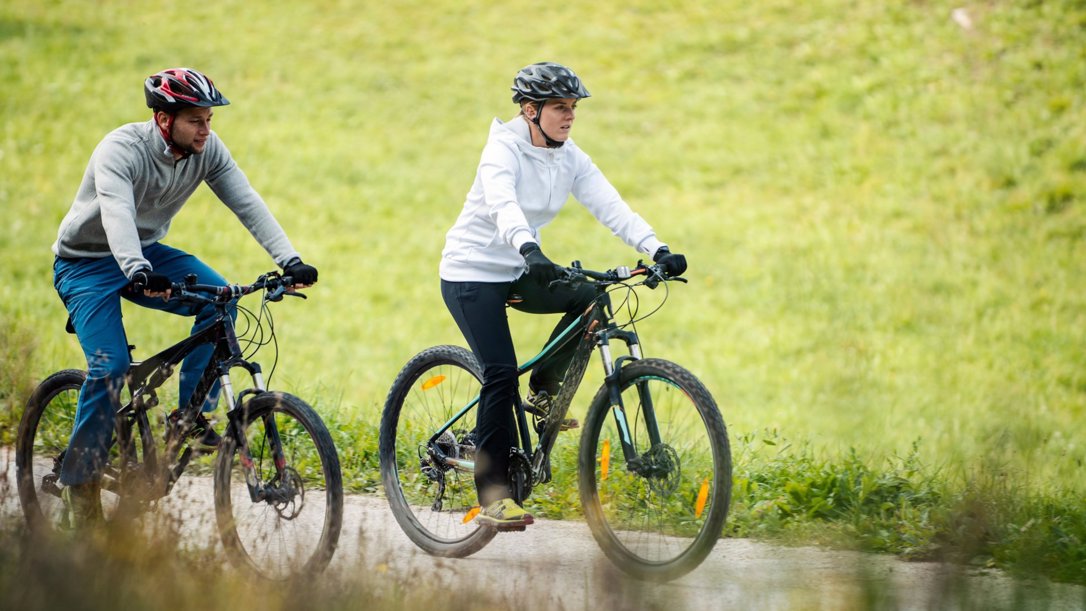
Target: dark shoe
{"points": [[201, 430], [541, 400], [82, 507]]}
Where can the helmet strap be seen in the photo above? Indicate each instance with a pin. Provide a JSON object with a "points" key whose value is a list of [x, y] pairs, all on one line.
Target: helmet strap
{"points": [[167, 135], [551, 142]]}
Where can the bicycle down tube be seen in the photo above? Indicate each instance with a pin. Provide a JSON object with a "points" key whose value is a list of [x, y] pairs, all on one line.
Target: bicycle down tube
{"points": [[596, 313]]}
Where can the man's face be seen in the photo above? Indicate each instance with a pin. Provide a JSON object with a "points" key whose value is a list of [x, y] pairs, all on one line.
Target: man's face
{"points": [[557, 118], [191, 128]]}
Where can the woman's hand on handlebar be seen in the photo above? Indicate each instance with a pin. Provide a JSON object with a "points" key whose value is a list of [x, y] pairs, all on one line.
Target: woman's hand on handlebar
{"points": [[674, 264]]}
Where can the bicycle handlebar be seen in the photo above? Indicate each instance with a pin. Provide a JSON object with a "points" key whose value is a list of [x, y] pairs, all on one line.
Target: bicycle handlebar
{"points": [[276, 285], [654, 274]]}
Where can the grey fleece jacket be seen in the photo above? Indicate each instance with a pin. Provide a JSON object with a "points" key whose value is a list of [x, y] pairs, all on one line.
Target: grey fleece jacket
{"points": [[132, 189]]}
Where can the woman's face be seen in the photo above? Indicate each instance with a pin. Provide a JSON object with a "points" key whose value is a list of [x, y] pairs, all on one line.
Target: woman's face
{"points": [[557, 118]]}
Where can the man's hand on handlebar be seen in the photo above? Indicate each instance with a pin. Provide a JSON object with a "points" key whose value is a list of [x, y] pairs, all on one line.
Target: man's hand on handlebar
{"points": [[151, 284], [304, 276]]}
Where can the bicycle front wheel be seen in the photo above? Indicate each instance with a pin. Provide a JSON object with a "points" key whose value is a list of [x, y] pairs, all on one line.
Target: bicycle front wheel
{"points": [[658, 512], [432, 500], [278, 498]]}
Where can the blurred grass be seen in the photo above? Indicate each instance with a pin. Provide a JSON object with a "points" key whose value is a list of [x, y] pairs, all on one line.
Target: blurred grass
{"points": [[883, 210]]}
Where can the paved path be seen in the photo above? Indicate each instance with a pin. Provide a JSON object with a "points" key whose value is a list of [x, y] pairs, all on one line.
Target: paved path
{"points": [[557, 565]]}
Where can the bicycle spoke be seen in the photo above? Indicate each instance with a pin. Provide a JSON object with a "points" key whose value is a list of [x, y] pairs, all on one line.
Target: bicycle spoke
{"points": [[658, 514], [292, 524], [432, 499]]}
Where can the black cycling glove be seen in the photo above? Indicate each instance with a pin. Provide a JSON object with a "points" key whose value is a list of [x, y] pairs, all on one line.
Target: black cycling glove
{"points": [[147, 280], [673, 264], [300, 272], [540, 267]]}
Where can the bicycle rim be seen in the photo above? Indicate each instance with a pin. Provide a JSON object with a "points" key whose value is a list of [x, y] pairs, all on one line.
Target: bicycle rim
{"points": [[294, 529], [431, 389], [658, 519]]}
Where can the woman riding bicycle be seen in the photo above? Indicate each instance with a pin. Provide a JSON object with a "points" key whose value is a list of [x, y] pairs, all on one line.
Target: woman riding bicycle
{"points": [[108, 247], [528, 169]]}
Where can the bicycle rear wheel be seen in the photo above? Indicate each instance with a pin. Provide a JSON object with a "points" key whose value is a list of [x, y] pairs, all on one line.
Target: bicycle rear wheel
{"points": [[285, 520], [656, 517], [44, 432], [433, 502]]}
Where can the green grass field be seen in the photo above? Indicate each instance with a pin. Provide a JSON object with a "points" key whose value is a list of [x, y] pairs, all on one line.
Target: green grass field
{"points": [[883, 209]]}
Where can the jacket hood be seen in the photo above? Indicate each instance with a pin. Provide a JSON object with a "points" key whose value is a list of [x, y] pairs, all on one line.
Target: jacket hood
{"points": [[516, 133]]}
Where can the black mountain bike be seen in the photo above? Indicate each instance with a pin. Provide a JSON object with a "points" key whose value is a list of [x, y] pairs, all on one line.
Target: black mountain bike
{"points": [[654, 462], [276, 479]]}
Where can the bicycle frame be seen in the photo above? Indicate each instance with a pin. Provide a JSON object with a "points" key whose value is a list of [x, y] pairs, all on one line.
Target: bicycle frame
{"points": [[145, 377], [596, 328]]}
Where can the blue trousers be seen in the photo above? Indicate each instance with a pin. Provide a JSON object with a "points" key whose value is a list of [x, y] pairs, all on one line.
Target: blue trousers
{"points": [[91, 290]]}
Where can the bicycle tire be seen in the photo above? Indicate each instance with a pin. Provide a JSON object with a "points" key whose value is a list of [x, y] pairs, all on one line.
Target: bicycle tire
{"points": [[662, 525], [44, 431], [412, 413], [270, 537]]}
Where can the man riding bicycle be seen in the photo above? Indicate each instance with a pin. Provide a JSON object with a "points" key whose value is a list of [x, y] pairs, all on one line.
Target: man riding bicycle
{"points": [[529, 168], [108, 246]]}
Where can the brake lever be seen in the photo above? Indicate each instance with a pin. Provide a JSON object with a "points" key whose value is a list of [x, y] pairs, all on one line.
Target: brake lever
{"points": [[559, 282], [569, 277], [178, 293], [276, 294]]}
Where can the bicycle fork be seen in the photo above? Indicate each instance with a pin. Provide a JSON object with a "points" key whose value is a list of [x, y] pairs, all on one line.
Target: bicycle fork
{"points": [[258, 489], [612, 373]]}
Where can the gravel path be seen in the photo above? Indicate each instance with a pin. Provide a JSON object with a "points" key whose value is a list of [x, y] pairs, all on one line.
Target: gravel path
{"points": [[557, 565]]}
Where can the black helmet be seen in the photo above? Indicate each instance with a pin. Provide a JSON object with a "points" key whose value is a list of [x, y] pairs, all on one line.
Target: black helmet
{"points": [[547, 80], [177, 88]]}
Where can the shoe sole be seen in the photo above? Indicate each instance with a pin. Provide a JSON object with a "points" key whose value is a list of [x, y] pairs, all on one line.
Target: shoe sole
{"points": [[518, 526]]}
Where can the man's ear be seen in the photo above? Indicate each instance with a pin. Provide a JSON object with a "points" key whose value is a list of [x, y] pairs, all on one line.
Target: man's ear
{"points": [[162, 118]]}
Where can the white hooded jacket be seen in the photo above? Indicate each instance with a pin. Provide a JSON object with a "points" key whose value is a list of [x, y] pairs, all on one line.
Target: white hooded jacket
{"points": [[518, 189]]}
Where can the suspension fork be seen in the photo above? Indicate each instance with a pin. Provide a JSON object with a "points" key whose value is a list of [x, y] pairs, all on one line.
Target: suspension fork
{"points": [[236, 412], [612, 372]]}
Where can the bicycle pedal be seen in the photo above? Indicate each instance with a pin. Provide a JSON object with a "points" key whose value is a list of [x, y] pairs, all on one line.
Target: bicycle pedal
{"points": [[511, 529], [199, 449]]}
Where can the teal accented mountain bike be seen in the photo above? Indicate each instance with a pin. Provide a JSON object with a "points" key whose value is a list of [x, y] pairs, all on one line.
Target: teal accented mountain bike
{"points": [[654, 461], [275, 480]]}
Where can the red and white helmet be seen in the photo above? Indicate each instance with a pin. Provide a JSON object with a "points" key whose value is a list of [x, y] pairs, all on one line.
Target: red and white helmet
{"points": [[177, 88]]}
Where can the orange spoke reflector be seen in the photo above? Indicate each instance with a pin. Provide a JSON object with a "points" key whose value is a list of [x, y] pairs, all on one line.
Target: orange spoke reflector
{"points": [[703, 495], [432, 382], [474, 511], [605, 458]]}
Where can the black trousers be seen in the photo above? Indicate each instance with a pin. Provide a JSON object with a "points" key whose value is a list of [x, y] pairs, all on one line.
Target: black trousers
{"points": [[480, 312]]}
